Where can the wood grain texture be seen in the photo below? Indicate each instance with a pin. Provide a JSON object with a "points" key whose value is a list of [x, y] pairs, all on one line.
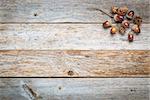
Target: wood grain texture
{"points": [[75, 89], [64, 38], [75, 63], [68, 37], [66, 10]]}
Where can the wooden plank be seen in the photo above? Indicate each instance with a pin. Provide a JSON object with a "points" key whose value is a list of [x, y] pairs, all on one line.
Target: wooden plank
{"points": [[75, 63], [75, 89], [68, 36], [66, 10]]}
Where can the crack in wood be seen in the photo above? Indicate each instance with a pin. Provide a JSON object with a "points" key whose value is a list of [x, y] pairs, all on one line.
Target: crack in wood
{"points": [[31, 93]]}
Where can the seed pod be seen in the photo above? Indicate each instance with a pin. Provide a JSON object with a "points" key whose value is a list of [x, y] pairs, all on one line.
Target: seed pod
{"points": [[122, 11], [122, 30], [137, 20], [107, 24], [130, 15], [118, 18], [125, 24], [113, 30], [130, 36], [136, 29], [114, 9]]}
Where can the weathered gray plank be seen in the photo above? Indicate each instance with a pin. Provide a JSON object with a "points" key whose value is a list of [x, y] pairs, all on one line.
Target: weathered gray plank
{"points": [[75, 63], [75, 89], [68, 36], [65, 10]]}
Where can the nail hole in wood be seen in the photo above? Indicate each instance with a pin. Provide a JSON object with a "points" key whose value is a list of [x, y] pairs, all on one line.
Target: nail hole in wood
{"points": [[59, 88], [87, 56], [35, 14], [133, 90], [70, 73]]}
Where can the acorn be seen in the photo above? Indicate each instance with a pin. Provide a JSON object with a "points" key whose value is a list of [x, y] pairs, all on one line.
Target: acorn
{"points": [[113, 30], [114, 9], [137, 20], [136, 29], [118, 18], [122, 30], [125, 24], [130, 15], [130, 36], [107, 24], [122, 11]]}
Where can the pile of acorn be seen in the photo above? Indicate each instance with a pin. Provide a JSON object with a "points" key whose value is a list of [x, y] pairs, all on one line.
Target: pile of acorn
{"points": [[123, 17]]}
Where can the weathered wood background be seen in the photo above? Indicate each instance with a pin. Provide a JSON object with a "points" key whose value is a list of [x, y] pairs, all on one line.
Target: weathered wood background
{"points": [[75, 89], [63, 41]]}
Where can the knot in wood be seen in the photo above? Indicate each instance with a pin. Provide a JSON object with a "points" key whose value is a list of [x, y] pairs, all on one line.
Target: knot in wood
{"points": [[70, 73]]}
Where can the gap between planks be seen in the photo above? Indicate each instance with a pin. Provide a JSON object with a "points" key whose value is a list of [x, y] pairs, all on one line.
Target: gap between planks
{"points": [[59, 23], [52, 23], [80, 77]]}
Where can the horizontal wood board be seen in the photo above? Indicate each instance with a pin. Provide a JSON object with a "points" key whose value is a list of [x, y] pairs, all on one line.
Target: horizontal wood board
{"points": [[66, 10], [75, 63], [75, 89], [68, 37]]}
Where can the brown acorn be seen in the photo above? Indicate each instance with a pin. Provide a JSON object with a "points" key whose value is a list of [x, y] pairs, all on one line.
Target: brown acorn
{"points": [[136, 29], [118, 18], [130, 36], [107, 24], [122, 11], [137, 20], [125, 24], [122, 30], [113, 30], [114, 9], [130, 15]]}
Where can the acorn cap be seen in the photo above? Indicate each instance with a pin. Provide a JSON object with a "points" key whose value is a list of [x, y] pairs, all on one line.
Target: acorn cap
{"points": [[137, 20], [136, 29], [130, 15], [114, 9], [113, 30], [118, 18], [107, 24], [125, 8], [130, 36], [122, 30], [126, 24], [122, 11]]}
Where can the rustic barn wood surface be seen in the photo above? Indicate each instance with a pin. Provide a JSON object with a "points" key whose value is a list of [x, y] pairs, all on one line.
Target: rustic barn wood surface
{"points": [[75, 63], [68, 37], [66, 10], [75, 89], [63, 41]]}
